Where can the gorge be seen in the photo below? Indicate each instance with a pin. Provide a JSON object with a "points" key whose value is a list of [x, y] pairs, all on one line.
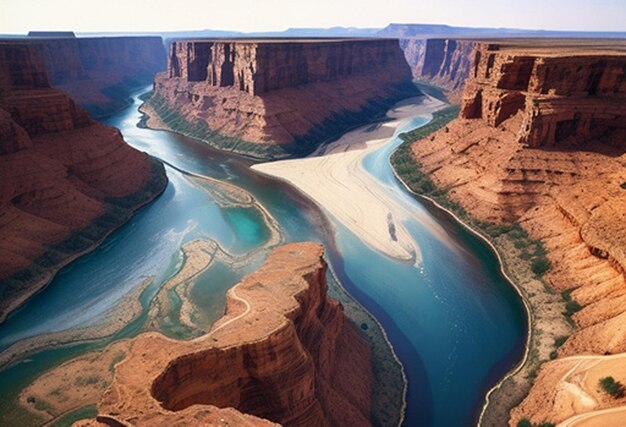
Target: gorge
{"points": [[67, 181], [536, 157]]}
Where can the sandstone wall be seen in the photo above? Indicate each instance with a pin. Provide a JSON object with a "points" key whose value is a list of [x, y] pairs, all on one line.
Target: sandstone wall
{"points": [[442, 62], [66, 181], [283, 352], [569, 98], [98, 73], [540, 143], [247, 93]]}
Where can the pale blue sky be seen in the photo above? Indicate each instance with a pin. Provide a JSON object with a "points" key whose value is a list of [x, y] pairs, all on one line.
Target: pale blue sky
{"points": [[19, 16]]}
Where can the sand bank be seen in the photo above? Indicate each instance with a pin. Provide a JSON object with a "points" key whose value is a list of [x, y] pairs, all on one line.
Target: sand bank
{"points": [[335, 179]]}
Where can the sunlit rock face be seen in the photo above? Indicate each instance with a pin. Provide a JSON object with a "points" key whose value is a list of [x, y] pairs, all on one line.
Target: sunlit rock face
{"points": [[289, 93], [284, 352]]}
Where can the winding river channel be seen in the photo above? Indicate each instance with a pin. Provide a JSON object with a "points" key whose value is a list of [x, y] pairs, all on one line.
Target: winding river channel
{"points": [[454, 322]]}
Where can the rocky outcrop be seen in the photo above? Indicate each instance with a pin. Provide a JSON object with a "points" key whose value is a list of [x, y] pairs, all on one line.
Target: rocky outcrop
{"points": [[275, 98], [441, 62], [100, 73], [540, 143], [567, 98], [67, 181], [284, 352]]}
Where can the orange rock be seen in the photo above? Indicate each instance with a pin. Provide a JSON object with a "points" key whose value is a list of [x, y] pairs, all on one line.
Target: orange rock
{"points": [[540, 142], [283, 352]]}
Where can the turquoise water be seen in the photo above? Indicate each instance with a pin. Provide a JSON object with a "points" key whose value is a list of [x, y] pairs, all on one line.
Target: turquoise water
{"points": [[454, 322]]}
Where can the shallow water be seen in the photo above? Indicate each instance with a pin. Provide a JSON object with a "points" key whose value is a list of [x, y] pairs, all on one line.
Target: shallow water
{"points": [[455, 323]]}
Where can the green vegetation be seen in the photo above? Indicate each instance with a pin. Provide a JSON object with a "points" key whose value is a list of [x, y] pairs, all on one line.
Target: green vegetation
{"points": [[119, 356], [612, 387], [85, 381], [525, 422], [434, 91], [40, 405], [540, 266], [410, 171], [558, 342], [70, 418], [418, 181], [571, 306]]}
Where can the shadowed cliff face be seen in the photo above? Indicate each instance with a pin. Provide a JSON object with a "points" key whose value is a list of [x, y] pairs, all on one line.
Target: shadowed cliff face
{"points": [[241, 95], [442, 62], [99, 73], [67, 181], [283, 351]]}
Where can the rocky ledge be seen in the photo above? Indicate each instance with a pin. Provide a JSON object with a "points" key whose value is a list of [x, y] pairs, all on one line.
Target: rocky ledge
{"points": [[276, 98], [540, 142], [283, 353], [66, 181]]}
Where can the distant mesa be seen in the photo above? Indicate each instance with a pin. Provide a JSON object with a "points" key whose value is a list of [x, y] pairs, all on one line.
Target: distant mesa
{"points": [[52, 34]]}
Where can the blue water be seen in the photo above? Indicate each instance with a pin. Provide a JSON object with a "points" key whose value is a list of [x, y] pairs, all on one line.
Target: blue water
{"points": [[454, 322]]}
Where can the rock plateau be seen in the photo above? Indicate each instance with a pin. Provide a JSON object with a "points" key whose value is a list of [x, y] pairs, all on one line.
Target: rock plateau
{"points": [[283, 353], [274, 98], [99, 73]]}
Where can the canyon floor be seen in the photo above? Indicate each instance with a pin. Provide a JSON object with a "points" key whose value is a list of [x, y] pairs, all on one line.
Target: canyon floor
{"points": [[334, 177]]}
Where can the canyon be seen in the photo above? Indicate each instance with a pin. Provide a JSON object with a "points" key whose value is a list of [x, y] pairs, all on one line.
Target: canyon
{"points": [[67, 181], [445, 63], [540, 142], [98, 73], [273, 98], [283, 353]]}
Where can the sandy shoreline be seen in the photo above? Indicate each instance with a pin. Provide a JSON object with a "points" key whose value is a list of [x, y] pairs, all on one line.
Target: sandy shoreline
{"points": [[336, 180]]}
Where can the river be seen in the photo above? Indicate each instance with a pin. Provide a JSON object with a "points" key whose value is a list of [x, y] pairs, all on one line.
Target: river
{"points": [[455, 323]]}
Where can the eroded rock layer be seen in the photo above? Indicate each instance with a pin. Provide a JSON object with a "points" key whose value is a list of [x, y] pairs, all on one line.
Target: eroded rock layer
{"points": [[99, 73], [442, 62], [65, 180], [283, 352], [540, 142], [289, 94]]}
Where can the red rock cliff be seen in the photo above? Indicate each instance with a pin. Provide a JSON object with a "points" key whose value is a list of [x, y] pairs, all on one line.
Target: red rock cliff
{"points": [[99, 73], [442, 62], [65, 180], [565, 97], [273, 98], [283, 352], [540, 142]]}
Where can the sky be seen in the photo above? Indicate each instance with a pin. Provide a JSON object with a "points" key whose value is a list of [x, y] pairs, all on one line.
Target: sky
{"points": [[20, 16]]}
